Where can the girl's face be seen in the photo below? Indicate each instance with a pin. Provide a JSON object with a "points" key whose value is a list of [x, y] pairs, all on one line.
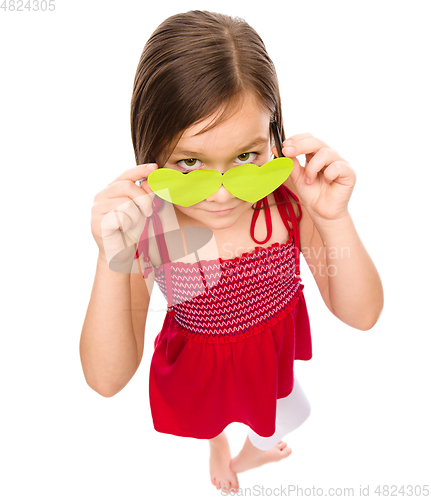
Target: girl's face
{"points": [[242, 138]]}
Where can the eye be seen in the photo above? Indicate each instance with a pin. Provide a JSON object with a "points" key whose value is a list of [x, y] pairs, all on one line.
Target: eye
{"points": [[246, 158], [189, 163]]}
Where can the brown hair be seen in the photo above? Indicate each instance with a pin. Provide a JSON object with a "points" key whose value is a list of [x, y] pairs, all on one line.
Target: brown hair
{"points": [[193, 65]]}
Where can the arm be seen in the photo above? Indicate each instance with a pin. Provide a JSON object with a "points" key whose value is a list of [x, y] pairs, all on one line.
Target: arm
{"points": [[112, 337], [344, 272]]}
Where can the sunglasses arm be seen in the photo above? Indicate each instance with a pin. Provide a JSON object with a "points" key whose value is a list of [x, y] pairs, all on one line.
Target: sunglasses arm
{"points": [[277, 138], [140, 181]]}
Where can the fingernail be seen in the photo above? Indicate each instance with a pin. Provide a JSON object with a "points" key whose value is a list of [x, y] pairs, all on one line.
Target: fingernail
{"points": [[290, 151], [287, 142], [307, 180], [151, 167]]}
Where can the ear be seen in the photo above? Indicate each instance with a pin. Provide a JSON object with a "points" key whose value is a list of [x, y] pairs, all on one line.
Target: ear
{"points": [[272, 138]]}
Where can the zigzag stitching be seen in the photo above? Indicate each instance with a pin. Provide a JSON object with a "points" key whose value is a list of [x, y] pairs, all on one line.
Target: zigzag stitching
{"points": [[241, 285], [207, 310], [223, 300], [230, 292], [221, 328], [228, 325]]}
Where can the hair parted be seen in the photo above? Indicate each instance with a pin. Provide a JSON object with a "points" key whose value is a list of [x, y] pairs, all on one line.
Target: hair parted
{"points": [[193, 65]]}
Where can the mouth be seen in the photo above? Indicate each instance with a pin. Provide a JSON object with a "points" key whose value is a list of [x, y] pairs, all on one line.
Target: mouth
{"points": [[220, 212]]}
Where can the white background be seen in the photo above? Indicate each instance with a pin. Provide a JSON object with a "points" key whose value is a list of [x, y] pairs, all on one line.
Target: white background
{"points": [[354, 74]]}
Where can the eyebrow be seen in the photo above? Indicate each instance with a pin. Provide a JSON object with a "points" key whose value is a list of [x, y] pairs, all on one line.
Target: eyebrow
{"points": [[193, 154]]}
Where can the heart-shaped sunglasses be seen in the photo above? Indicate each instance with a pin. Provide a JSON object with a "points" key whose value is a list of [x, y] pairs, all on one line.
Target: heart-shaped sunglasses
{"points": [[248, 182]]}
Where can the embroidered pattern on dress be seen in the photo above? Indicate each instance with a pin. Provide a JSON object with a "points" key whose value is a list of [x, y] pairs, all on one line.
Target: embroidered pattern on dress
{"points": [[226, 300]]}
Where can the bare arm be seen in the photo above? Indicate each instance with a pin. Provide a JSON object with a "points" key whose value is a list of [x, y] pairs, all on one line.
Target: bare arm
{"points": [[112, 338], [344, 272], [347, 278]]}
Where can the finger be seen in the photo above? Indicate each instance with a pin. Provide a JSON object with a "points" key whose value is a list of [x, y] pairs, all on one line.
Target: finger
{"points": [[125, 205], [115, 241], [112, 222], [146, 187], [117, 232], [297, 173], [298, 137], [145, 203], [308, 146], [135, 173], [127, 188], [121, 218], [340, 171], [319, 161]]}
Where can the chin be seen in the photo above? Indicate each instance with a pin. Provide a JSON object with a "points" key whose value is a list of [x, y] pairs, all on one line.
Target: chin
{"points": [[212, 222], [220, 224]]}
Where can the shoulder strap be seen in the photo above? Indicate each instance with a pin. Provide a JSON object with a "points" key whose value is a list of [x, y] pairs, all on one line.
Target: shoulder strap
{"points": [[283, 193], [267, 219], [143, 245]]}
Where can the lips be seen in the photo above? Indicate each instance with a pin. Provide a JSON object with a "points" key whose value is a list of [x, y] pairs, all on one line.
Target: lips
{"points": [[222, 210]]}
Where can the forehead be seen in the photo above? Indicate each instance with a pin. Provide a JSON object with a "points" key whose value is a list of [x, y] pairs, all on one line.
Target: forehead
{"points": [[246, 123]]}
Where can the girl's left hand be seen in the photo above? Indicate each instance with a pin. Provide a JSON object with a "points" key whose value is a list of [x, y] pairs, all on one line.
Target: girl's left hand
{"points": [[331, 177]]}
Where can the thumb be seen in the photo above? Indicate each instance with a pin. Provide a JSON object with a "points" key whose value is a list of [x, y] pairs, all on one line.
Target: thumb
{"points": [[146, 188], [298, 173]]}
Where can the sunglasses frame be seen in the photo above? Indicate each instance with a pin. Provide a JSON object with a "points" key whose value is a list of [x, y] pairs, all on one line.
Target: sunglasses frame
{"points": [[278, 145]]}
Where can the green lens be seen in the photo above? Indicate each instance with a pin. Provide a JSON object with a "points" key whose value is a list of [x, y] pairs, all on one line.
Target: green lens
{"points": [[247, 182], [252, 183], [184, 189]]}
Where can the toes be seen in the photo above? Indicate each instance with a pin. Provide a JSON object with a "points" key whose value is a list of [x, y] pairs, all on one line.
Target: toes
{"points": [[286, 452], [230, 485], [234, 487]]}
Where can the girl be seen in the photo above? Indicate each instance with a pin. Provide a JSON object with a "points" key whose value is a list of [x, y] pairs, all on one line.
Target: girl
{"points": [[206, 99]]}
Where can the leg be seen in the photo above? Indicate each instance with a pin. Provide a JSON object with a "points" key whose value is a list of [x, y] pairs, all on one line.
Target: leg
{"points": [[292, 411], [220, 472]]}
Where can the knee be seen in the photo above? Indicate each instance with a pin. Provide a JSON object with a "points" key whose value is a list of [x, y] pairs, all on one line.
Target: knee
{"points": [[296, 417], [303, 407]]}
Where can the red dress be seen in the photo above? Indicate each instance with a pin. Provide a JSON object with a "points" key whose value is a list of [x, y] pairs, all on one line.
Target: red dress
{"points": [[226, 353]]}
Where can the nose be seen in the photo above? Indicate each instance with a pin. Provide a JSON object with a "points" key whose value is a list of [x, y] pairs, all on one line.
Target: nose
{"points": [[221, 196]]}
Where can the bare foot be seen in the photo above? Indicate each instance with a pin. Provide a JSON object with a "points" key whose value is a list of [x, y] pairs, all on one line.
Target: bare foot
{"points": [[221, 474], [250, 456]]}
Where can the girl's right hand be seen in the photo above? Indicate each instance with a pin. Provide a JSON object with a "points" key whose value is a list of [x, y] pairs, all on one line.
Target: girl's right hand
{"points": [[119, 214]]}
